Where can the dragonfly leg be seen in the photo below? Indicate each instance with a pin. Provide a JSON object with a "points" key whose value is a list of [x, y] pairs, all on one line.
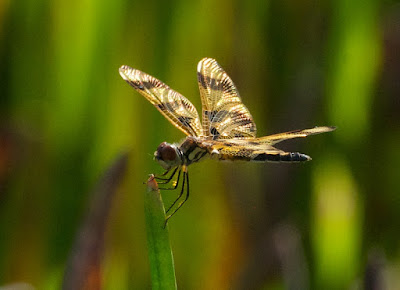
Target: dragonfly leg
{"points": [[175, 183], [185, 181], [180, 194], [168, 179]]}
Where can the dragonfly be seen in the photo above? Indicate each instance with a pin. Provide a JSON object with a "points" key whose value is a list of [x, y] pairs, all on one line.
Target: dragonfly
{"points": [[227, 130]]}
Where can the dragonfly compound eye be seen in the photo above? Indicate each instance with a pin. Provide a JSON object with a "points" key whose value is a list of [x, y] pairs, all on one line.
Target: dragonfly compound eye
{"points": [[166, 152]]}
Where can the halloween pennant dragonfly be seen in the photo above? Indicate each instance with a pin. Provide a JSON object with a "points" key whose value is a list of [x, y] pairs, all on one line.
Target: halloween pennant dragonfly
{"points": [[227, 132]]}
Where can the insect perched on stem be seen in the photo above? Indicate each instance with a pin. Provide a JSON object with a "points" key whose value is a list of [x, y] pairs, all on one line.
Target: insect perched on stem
{"points": [[227, 131]]}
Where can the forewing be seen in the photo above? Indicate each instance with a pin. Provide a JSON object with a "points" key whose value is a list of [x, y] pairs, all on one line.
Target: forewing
{"points": [[175, 107], [224, 115], [276, 138]]}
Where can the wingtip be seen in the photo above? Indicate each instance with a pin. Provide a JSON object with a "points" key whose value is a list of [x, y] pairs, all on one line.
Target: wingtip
{"points": [[205, 61], [124, 71], [323, 129], [124, 68]]}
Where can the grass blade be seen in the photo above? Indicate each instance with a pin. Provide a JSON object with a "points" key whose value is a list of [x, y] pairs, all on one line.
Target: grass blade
{"points": [[159, 247]]}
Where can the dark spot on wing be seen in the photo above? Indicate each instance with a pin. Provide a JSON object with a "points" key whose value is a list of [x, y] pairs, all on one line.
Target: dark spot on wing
{"points": [[246, 122], [210, 114], [220, 116], [243, 119], [137, 85], [171, 106], [142, 85], [202, 81], [187, 105], [253, 143], [240, 116], [185, 120], [214, 132], [208, 82], [216, 116]]}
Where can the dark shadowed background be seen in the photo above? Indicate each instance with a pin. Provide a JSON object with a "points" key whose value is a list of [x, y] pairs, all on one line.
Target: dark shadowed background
{"points": [[65, 114]]}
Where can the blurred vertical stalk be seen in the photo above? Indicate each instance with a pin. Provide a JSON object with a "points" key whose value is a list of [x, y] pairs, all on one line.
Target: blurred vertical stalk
{"points": [[77, 91], [337, 224], [83, 270], [354, 58]]}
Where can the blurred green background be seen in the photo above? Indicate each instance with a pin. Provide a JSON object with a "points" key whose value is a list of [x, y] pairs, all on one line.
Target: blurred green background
{"points": [[65, 114]]}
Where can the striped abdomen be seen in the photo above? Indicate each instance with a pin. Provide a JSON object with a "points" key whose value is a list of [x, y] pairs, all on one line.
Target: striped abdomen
{"points": [[247, 151], [264, 157], [280, 157]]}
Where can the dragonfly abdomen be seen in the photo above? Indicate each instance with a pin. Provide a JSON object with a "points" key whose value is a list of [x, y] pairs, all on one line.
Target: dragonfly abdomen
{"points": [[280, 157], [262, 157]]}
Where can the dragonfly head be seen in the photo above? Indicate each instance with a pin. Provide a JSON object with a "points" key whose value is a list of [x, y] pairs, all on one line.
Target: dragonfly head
{"points": [[167, 155]]}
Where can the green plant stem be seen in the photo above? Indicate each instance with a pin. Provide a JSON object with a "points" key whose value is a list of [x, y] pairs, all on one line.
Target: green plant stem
{"points": [[160, 254]]}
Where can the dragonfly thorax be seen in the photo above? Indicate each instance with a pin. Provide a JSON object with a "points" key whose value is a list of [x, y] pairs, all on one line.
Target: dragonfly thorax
{"points": [[168, 155]]}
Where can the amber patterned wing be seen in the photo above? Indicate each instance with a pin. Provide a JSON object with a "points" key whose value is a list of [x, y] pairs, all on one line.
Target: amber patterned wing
{"points": [[224, 115], [175, 107], [276, 138]]}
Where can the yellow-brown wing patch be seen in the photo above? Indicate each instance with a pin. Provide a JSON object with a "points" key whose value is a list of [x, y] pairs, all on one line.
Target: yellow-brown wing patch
{"points": [[224, 115], [175, 107], [276, 138]]}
